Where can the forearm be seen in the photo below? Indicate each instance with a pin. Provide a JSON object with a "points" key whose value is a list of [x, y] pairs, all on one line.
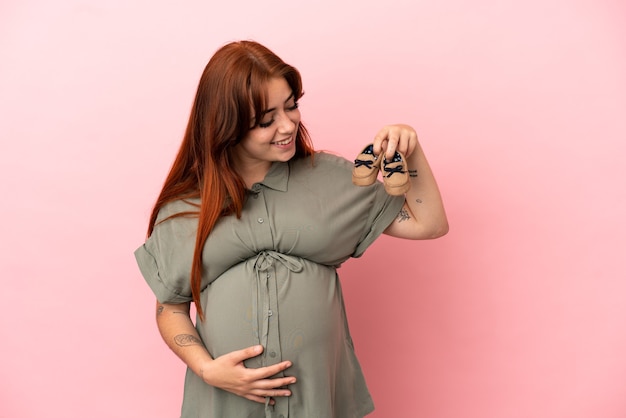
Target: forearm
{"points": [[228, 371], [423, 198], [180, 335]]}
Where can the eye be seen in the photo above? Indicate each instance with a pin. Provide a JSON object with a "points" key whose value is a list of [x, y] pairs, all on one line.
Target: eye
{"points": [[271, 121], [266, 124]]}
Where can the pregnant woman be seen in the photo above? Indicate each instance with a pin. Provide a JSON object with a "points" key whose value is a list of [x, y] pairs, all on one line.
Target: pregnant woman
{"points": [[251, 225]]}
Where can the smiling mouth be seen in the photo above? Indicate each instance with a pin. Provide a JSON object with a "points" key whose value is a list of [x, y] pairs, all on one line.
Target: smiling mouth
{"points": [[285, 142]]}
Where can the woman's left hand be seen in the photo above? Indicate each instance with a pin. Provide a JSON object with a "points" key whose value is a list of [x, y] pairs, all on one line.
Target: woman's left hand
{"points": [[423, 215], [394, 138]]}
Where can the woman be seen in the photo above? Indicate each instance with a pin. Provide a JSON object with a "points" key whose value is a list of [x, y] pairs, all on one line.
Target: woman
{"points": [[251, 225]]}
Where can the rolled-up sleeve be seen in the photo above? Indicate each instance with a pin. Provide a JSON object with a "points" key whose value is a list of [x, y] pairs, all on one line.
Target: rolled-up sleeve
{"points": [[165, 258], [383, 210], [165, 289]]}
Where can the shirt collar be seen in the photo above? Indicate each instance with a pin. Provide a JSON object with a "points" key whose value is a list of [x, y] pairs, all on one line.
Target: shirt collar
{"points": [[277, 177]]}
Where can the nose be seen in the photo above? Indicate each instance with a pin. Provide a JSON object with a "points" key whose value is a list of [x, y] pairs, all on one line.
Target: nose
{"points": [[285, 124]]}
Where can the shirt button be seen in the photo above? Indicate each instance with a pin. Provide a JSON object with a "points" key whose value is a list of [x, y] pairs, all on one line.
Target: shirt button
{"points": [[272, 354], [260, 220]]}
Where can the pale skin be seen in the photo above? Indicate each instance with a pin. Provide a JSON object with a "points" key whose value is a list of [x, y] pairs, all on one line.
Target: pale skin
{"points": [[423, 204], [422, 217], [226, 372]]}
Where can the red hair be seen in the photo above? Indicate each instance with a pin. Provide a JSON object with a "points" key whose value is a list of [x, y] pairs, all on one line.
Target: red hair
{"points": [[231, 93]]}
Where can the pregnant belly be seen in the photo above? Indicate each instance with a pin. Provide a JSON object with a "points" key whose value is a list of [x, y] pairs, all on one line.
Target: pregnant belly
{"points": [[291, 306]]}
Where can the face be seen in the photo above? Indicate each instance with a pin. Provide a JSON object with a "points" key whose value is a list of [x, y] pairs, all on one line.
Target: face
{"points": [[273, 138]]}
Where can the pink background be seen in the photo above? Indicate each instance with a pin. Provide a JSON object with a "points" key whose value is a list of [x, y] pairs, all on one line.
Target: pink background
{"points": [[520, 311]]}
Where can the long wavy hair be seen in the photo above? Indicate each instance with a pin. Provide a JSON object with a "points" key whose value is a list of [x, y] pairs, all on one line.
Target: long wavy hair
{"points": [[232, 92]]}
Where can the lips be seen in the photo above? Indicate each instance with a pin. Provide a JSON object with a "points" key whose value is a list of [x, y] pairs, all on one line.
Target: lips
{"points": [[283, 142]]}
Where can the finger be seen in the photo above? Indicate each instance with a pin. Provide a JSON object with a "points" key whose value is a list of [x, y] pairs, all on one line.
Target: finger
{"points": [[271, 393], [407, 142], [241, 355], [277, 382], [404, 142], [380, 141], [393, 139], [412, 144], [268, 371]]}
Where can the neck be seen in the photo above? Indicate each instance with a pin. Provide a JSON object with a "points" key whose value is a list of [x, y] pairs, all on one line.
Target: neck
{"points": [[252, 172]]}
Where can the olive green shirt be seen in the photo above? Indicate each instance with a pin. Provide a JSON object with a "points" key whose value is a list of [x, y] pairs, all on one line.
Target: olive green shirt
{"points": [[270, 278]]}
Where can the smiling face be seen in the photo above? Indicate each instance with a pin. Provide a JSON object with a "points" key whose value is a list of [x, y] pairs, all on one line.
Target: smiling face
{"points": [[273, 138]]}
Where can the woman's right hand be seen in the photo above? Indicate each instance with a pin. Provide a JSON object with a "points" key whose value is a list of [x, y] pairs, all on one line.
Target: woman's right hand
{"points": [[229, 373]]}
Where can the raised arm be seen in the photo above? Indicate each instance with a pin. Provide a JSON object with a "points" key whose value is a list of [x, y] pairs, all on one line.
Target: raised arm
{"points": [[225, 372], [423, 215]]}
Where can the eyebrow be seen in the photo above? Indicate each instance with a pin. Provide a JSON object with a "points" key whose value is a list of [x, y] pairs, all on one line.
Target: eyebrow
{"points": [[273, 108]]}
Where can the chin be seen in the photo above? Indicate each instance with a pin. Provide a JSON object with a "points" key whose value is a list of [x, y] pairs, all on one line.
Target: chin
{"points": [[287, 155]]}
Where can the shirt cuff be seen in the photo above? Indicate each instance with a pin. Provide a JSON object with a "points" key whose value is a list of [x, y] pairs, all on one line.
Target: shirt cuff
{"points": [[150, 271]]}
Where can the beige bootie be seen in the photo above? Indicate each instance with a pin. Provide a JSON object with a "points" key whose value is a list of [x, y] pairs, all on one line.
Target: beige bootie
{"points": [[395, 175], [366, 167]]}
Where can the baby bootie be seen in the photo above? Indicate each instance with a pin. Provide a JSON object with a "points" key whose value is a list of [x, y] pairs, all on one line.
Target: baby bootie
{"points": [[366, 167], [395, 175]]}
